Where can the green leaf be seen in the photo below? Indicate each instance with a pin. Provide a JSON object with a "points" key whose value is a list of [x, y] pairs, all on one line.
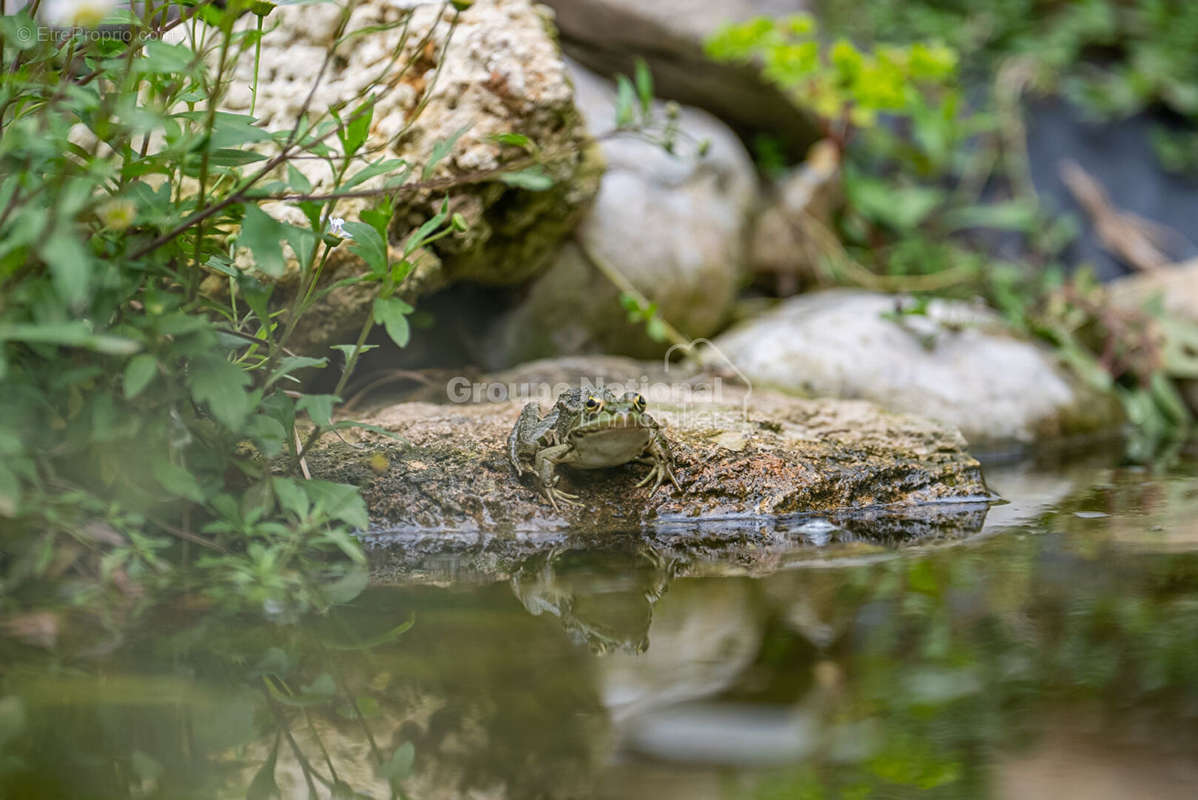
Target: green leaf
{"points": [[338, 501], [221, 386], [268, 433], [421, 234], [353, 134], [440, 150], [348, 349], [291, 496], [534, 179], [229, 130], [379, 167], [1013, 215], [391, 313], [319, 407], [262, 234], [69, 334], [399, 766], [70, 266], [164, 58], [140, 370], [368, 245], [644, 86], [625, 102], [233, 158], [298, 180], [302, 241], [292, 363], [515, 140], [19, 30], [178, 481], [900, 208]]}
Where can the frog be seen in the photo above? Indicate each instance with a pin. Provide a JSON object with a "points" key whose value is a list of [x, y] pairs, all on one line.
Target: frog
{"points": [[588, 430]]}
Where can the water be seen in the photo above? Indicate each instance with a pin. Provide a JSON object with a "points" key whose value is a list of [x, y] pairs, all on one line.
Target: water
{"points": [[1047, 650]]}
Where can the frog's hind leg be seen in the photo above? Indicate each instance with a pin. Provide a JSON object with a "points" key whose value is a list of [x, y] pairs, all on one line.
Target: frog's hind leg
{"points": [[522, 440]]}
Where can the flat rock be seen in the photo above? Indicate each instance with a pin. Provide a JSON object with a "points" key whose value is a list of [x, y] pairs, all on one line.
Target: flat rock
{"points": [[741, 455], [957, 364]]}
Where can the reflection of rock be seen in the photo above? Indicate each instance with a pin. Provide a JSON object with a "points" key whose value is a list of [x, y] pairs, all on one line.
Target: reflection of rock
{"points": [[674, 225], [958, 365], [608, 35], [813, 603], [703, 634], [759, 453], [606, 603]]}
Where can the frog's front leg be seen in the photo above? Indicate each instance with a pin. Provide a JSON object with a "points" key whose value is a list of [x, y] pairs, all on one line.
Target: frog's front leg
{"points": [[544, 465], [657, 455], [522, 441]]}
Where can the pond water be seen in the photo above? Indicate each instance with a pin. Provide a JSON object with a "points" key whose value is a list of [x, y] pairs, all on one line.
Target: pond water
{"points": [[1043, 648]]}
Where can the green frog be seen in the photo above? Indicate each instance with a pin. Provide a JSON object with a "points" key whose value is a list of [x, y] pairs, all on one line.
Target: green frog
{"points": [[588, 430]]}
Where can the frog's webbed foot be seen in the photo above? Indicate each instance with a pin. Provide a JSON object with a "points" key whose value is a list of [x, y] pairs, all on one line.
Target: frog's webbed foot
{"points": [[658, 457], [557, 498]]}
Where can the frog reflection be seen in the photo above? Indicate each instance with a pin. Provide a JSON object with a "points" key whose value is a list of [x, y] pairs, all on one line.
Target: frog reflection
{"points": [[605, 602]]}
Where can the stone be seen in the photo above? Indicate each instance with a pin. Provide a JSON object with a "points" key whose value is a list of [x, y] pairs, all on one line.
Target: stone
{"points": [[502, 72], [449, 473], [673, 225], [957, 365], [609, 35], [1175, 286]]}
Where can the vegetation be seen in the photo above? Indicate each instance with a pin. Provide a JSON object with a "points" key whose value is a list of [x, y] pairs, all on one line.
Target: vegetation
{"points": [[151, 414], [934, 188]]}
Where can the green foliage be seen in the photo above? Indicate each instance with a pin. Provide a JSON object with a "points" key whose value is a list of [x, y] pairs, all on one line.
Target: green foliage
{"points": [[151, 408], [1112, 58], [927, 194], [844, 86]]}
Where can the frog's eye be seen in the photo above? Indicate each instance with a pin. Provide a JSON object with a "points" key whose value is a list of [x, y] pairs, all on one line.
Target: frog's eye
{"points": [[593, 404], [638, 401]]}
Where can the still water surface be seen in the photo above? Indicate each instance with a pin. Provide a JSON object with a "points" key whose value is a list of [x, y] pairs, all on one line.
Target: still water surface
{"points": [[1050, 651]]}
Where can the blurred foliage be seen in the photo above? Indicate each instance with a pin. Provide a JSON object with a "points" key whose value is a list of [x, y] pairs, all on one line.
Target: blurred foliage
{"points": [[938, 196], [1112, 58]]}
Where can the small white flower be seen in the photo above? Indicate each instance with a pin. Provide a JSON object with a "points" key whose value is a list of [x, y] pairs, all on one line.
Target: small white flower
{"points": [[337, 228], [78, 13]]}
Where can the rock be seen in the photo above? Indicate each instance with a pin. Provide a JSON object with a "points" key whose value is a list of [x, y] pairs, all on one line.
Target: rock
{"points": [[1176, 287], [783, 242], [609, 35], [674, 226], [502, 73], [449, 473], [958, 365]]}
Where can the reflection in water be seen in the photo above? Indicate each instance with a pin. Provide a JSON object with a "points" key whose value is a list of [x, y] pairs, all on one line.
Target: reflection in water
{"points": [[1009, 665]]}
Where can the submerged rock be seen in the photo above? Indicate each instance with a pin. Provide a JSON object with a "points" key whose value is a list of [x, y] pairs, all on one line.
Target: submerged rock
{"points": [[674, 225], [957, 364], [740, 455]]}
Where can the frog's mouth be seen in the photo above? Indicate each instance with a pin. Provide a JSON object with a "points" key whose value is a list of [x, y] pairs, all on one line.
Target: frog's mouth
{"points": [[609, 421]]}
